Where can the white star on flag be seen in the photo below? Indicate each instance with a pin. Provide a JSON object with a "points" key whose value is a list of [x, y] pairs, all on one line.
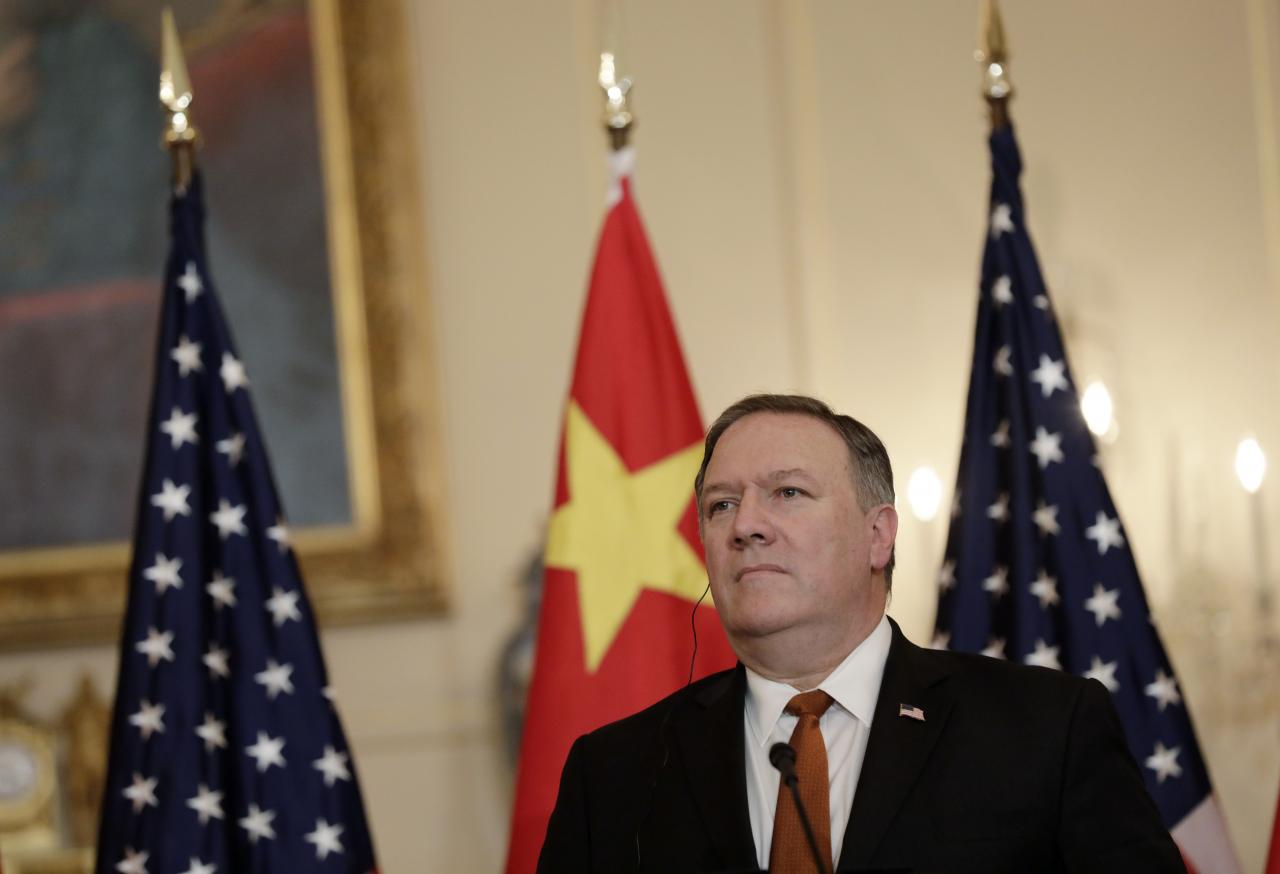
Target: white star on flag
{"points": [[181, 428], [198, 867], [190, 282], [207, 804], [941, 640], [267, 751], [325, 837], [212, 732], [133, 862], [232, 373], [258, 824], [1047, 448], [216, 661], [1051, 375], [229, 519], [1164, 762], [275, 679], [1000, 439], [994, 648], [1164, 689], [149, 719], [1002, 291], [172, 500], [142, 792], [947, 576], [187, 355], [999, 511], [232, 448], [283, 606], [1045, 656], [164, 573], [1104, 673], [222, 590], [279, 532], [1046, 518], [333, 765], [1106, 531], [998, 583], [156, 646], [1103, 605], [1045, 588], [1002, 364], [1001, 220]]}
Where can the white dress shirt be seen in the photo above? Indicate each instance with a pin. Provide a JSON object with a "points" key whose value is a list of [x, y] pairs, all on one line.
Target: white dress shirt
{"points": [[854, 686]]}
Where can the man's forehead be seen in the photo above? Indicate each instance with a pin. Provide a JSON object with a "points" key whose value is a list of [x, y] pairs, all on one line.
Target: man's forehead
{"points": [[768, 444]]}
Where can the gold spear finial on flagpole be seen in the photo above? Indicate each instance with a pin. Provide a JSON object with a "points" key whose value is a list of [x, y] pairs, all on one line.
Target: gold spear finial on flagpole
{"points": [[175, 93], [618, 120], [993, 54]]}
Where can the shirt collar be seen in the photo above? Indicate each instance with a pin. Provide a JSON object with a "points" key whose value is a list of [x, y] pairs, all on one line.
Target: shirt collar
{"points": [[854, 685]]}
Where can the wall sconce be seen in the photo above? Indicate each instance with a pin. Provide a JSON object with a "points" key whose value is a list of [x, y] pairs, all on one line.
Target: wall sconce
{"points": [[924, 493]]}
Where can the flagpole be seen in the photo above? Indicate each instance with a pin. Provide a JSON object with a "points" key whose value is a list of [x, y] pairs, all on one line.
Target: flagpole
{"points": [[994, 56], [618, 120], [180, 136]]}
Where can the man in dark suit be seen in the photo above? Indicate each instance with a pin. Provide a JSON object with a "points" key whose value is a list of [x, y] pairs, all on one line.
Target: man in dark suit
{"points": [[908, 759]]}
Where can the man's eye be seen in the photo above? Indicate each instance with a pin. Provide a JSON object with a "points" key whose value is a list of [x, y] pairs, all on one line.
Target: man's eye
{"points": [[716, 506], [790, 492]]}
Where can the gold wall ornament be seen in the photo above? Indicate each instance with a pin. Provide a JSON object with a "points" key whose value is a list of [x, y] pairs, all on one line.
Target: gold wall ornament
{"points": [[85, 726], [41, 765], [386, 563], [29, 797], [28, 777]]}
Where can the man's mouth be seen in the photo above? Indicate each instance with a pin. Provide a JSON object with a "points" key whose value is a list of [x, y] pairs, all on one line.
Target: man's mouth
{"points": [[757, 569]]}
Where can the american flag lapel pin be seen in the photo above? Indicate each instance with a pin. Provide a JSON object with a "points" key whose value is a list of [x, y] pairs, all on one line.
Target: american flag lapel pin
{"points": [[911, 712]]}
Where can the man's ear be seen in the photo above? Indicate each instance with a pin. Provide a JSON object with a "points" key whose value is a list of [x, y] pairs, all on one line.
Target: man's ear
{"points": [[884, 531]]}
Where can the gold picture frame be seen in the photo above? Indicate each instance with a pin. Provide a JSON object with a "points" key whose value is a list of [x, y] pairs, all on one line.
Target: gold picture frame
{"points": [[386, 564]]}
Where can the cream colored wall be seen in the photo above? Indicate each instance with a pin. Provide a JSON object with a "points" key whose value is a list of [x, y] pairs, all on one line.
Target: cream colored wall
{"points": [[814, 178]]}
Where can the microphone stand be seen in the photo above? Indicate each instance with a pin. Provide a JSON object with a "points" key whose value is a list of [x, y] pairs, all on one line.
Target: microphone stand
{"points": [[783, 757]]}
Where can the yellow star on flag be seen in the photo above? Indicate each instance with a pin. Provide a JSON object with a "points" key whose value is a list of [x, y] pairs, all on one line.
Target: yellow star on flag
{"points": [[618, 533]]}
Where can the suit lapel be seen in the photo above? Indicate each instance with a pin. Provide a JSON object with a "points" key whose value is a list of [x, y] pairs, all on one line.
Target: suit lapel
{"points": [[898, 746], [711, 743]]}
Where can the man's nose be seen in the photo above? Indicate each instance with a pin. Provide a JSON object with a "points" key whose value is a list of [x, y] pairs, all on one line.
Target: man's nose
{"points": [[751, 523]]}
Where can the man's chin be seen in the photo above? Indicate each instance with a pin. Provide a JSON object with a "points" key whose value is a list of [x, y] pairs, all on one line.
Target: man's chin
{"points": [[757, 628]]}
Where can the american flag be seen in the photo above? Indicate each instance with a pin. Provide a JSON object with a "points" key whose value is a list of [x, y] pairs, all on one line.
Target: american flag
{"points": [[1038, 568], [226, 751]]}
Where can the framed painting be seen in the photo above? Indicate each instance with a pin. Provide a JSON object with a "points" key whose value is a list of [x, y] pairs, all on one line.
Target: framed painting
{"points": [[314, 235]]}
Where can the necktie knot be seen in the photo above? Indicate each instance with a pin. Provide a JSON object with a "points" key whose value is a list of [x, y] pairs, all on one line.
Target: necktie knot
{"points": [[813, 704]]}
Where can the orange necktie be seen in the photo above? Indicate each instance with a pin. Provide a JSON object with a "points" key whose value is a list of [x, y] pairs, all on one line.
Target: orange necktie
{"points": [[790, 853]]}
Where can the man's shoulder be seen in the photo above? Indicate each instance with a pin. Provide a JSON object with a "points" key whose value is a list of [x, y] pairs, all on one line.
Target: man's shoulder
{"points": [[682, 704], [975, 676]]}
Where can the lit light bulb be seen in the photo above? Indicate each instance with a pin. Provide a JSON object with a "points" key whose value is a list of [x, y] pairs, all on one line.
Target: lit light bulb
{"points": [[1251, 464], [1097, 409], [924, 493]]}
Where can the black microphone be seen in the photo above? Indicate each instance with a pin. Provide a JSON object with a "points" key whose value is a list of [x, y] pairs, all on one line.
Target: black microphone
{"points": [[783, 757]]}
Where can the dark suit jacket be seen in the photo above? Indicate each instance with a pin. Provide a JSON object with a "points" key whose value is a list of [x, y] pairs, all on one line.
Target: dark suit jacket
{"points": [[1014, 769]]}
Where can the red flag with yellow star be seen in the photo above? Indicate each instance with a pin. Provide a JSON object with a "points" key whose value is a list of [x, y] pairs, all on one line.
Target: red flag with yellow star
{"points": [[623, 566]]}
